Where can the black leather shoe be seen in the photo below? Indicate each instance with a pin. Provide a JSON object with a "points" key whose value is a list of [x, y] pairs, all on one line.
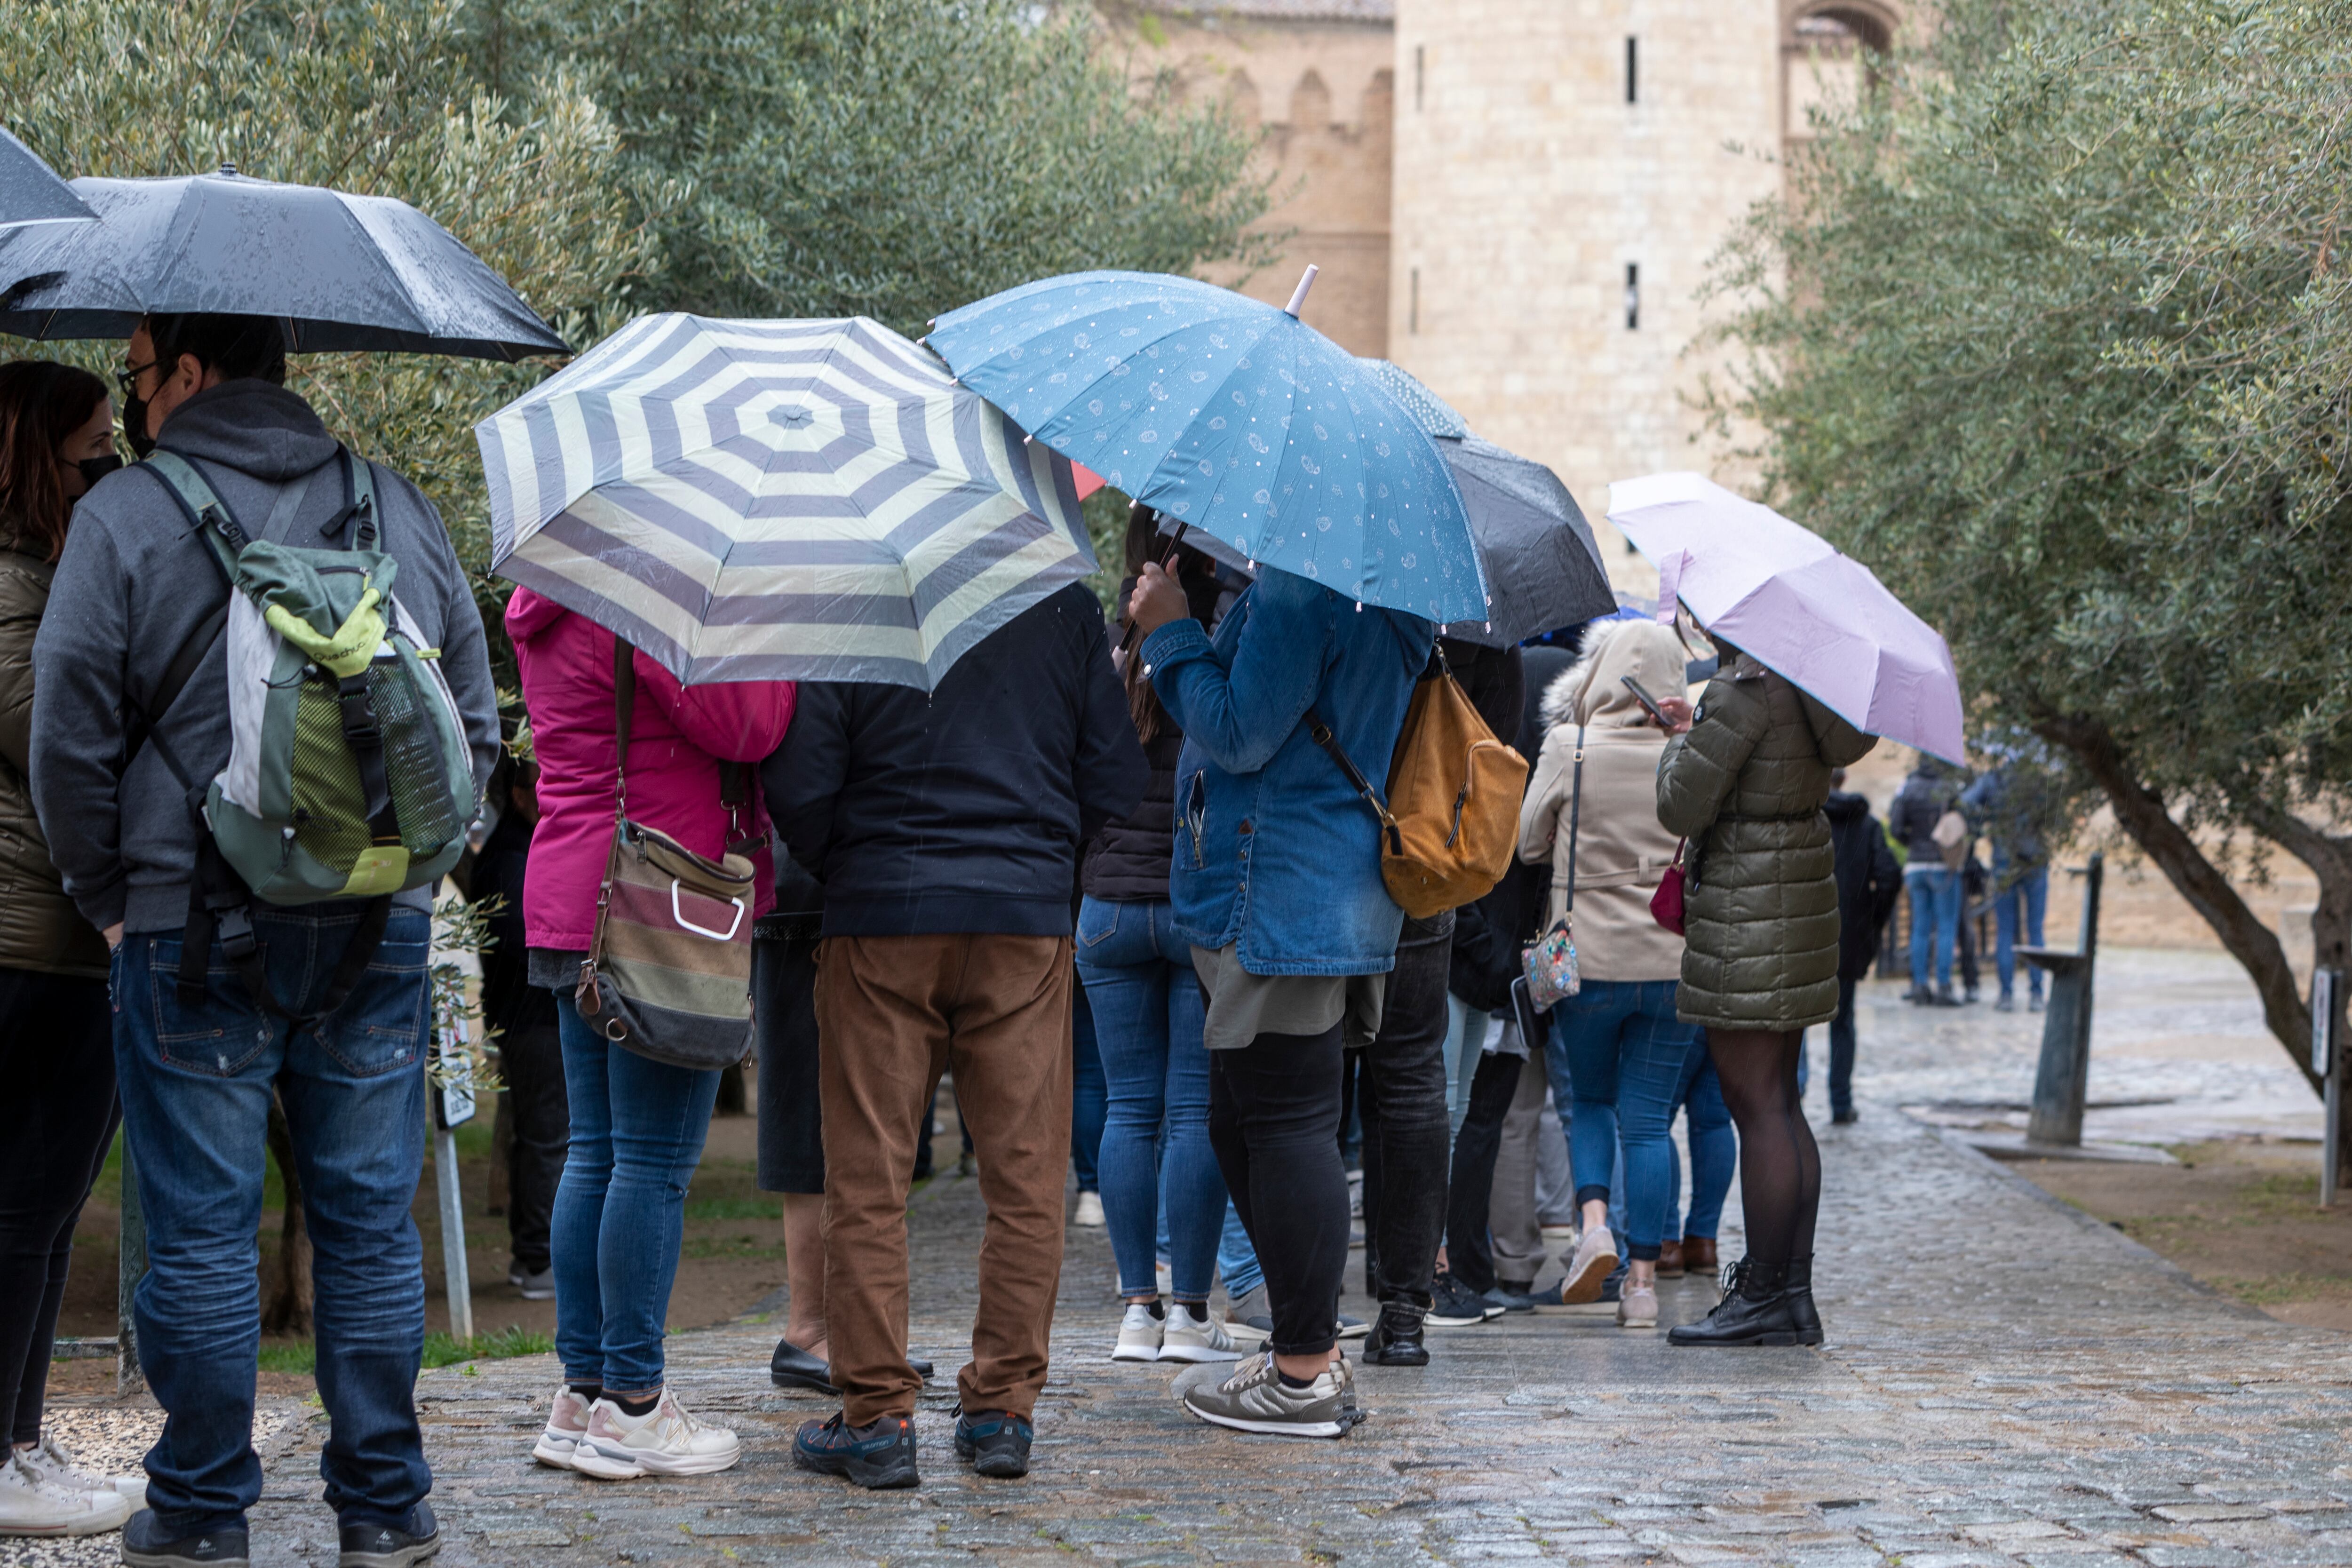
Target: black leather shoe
{"points": [[144, 1545], [390, 1545], [995, 1441], [793, 1367], [1802, 1310], [1395, 1340], [879, 1455], [1754, 1311]]}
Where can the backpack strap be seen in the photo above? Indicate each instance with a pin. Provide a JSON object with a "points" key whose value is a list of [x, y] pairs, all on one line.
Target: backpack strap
{"points": [[359, 502], [1330, 743]]}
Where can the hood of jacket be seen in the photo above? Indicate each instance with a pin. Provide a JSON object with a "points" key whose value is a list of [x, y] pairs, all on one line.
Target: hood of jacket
{"points": [[252, 426], [1844, 806], [530, 614], [1593, 691]]}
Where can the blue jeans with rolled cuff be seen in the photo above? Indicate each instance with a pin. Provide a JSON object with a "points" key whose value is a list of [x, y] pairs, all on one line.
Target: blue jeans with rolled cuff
{"points": [[1629, 1059], [197, 1079]]}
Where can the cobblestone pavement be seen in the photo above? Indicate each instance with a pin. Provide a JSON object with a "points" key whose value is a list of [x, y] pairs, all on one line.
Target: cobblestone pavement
{"points": [[2006, 1382]]}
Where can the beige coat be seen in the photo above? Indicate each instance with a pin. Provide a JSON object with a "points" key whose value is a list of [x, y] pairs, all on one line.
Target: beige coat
{"points": [[1620, 850]]}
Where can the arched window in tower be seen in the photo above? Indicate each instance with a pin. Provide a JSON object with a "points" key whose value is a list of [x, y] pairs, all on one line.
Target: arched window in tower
{"points": [[1829, 52], [1310, 103], [1241, 95]]}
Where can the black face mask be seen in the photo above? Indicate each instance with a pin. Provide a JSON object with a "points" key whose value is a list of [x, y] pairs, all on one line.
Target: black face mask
{"points": [[135, 424], [96, 469]]}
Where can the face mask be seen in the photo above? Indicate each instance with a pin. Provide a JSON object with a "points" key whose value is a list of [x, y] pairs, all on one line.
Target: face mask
{"points": [[134, 425], [96, 469]]}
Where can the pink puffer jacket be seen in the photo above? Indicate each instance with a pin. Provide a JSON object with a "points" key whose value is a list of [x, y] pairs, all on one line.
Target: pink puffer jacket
{"points": [[678, 736]]}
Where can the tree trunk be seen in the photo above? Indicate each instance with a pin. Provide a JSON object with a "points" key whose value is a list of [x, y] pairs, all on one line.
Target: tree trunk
{"points": [[2252, 942], [286, 1309]]}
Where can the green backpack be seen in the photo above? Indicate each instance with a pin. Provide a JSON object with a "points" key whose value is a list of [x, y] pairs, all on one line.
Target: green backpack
{"points": [[349, 774]]}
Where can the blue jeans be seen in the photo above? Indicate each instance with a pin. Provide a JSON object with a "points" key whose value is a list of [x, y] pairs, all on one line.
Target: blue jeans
{"points": [[1155, 1139], [1713, 1147], [2020, 893], [196, 1082], [1935, 918], [1629, 1060], [637, 1128], [1088, 1093], [1465, 1045]]}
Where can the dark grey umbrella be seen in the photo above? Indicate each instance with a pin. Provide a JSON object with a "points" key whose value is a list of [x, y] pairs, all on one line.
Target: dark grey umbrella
{"points": [[31, 191], [1543, 566], [342, 272]]}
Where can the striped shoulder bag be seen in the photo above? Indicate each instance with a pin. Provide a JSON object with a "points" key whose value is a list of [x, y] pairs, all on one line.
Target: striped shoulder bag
{"points": [[669, 973]]}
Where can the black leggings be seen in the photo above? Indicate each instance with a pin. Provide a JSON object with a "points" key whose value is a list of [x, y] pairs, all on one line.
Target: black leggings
{"points": [[1780, 1164], [56, 1054], [1274, 1121]]}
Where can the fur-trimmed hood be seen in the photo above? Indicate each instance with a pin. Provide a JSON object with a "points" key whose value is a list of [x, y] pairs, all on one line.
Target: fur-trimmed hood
{"points": [[1592, 691]]}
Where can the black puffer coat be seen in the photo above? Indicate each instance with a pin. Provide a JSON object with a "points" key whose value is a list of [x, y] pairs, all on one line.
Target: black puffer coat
{"points": [[1745, 785], [1128, 861]]}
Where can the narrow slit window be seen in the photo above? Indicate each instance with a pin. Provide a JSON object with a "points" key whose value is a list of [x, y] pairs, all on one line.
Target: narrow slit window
{"points": [[1633, 296], [1632, 69], [1412, 302], [1420, 59]]}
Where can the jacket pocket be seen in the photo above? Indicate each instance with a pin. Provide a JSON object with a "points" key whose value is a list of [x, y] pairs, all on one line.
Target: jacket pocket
{"points": [[1195, 820]]}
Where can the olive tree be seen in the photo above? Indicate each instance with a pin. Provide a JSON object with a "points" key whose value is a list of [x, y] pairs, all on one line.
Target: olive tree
{"points": [[373, 97], [2054, 330]]}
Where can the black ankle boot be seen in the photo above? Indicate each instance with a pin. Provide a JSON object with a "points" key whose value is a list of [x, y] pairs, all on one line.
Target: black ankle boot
{"points": [[1395, 1340], [1754, 1311], [1802, 1310]]}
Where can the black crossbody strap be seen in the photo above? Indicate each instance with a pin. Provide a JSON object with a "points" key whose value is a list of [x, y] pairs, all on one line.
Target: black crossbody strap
{"points": [[1330, 743]]}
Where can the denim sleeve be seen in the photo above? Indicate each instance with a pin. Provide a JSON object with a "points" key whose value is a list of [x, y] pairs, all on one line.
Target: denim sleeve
{"points": [[1240, 716]]}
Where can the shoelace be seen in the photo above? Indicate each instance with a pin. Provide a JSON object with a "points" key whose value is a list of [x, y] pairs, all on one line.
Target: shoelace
{"points": [[1734, 1275]]}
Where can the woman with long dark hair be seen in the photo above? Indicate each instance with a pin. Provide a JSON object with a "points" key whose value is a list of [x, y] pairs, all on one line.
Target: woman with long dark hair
{"points": [[56, 1037], [1743, 779]]}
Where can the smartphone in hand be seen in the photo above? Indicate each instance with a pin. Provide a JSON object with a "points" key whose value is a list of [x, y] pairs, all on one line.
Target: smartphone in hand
{"points": [[1648, 702]]}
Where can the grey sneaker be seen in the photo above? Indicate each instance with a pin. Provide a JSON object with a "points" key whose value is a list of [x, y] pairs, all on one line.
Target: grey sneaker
{"points": [[1256, 1399], [1250, 1321]]}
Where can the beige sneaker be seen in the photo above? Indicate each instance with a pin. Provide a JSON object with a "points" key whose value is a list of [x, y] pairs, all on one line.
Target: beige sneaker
{"points": [[1588, 1271], [664, 1441], [1200, 1339], [567, 1422], [1638, 1306], [33, 1505]]}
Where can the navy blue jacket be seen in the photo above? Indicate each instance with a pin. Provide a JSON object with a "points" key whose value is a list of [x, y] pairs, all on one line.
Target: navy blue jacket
{"points": [[963, 811], [1274, 851]]}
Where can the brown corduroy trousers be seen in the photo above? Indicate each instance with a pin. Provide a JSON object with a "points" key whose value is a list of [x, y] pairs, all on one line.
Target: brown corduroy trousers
{"points": [[893, 1012]]}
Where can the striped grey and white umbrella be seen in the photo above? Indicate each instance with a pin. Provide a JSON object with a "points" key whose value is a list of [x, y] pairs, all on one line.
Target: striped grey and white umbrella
{"points": [[778, 501]]}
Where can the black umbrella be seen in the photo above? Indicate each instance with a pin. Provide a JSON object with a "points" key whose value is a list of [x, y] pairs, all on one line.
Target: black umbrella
{"points": [[1543, 566], [31, 191], [342, 272]]}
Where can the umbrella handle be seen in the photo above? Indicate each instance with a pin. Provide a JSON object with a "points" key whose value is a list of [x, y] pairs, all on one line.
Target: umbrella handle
{"points": [[1166, 556]]}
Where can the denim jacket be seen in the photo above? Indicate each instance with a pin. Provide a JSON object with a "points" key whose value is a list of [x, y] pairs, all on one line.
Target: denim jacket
{"points": [[1274, 851]]}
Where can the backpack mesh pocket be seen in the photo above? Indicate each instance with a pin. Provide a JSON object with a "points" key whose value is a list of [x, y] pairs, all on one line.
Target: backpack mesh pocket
{"points": [[330, 806]]}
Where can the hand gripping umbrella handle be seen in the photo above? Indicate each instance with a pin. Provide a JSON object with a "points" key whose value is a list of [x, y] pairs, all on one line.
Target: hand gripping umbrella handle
{"points": [[1133, 625]]}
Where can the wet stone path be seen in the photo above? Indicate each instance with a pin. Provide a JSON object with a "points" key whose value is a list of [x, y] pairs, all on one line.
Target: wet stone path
{"points": [[2006, 1382]]}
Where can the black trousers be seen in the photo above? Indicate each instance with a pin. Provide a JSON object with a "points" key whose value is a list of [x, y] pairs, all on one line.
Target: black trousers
{"points": [[1469, 1251], [1400, 1104], [792, 1126], [1842, 1050], [56, 1056], [530, 1060], [1274, 1121]]}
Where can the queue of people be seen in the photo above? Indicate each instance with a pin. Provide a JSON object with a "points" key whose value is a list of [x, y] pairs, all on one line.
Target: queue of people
{"points": [[1166, 832]]}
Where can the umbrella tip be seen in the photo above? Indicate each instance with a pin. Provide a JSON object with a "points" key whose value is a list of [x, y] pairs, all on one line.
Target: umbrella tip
{"points": [[1298, 294], [229, 169]]}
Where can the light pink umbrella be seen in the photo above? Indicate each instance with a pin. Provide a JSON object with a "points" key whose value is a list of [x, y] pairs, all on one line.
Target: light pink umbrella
{"points": [[1804, 610]]}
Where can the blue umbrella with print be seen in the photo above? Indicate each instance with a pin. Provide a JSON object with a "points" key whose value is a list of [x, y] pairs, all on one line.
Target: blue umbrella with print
{"points": [[1237, 420]]}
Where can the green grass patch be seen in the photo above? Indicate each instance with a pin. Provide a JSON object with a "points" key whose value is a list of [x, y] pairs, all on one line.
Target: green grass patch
{"points": [[733, 1246], [733, 1207], [514, 1340], [300, 1357]]}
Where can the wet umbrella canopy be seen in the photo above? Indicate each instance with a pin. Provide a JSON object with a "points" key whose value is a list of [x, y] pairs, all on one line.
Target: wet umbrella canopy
{"points": [[31, 191], [342, 272]]}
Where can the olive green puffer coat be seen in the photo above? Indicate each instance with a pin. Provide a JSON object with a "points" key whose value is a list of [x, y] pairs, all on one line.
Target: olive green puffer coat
{"points": [[39, 927], [1761, 911]]}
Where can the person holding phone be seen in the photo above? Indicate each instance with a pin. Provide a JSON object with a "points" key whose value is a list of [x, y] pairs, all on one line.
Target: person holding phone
{"points": [[1618, 1046]]}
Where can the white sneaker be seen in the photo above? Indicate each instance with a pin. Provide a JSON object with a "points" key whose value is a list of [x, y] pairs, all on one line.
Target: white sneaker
{"points": [[1188, 1338], [1140, 1334], [1588, 1269], [49, 1460], [1089, 1210], [567, 1422], [664, 1441], [30, 1504], [1637, 1308]]}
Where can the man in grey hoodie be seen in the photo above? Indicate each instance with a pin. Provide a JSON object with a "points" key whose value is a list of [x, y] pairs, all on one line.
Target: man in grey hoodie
{"points": [[115, 771]]}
